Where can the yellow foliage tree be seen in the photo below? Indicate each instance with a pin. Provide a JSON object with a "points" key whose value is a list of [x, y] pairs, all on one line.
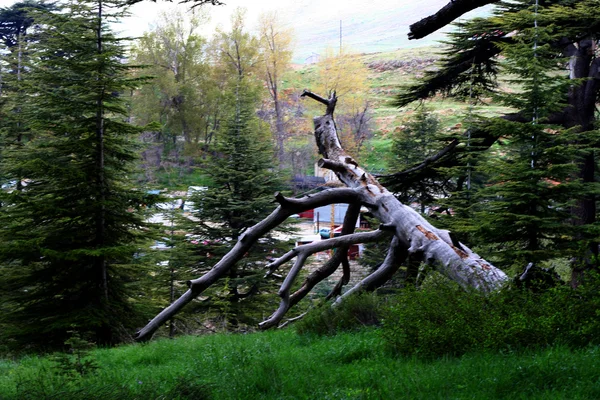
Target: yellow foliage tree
{"points": [[276, 50], [345, 74]]}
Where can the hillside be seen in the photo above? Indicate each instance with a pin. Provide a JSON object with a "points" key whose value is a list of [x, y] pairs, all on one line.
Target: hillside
{"points": [[367, 27], [388, 72]]}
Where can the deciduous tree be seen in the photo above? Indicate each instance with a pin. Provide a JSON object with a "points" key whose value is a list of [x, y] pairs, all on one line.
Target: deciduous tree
{"points": [[276, 50], [346, 75], [182, 97]]}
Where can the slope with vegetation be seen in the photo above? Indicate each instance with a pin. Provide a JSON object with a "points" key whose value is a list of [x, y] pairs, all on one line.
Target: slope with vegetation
{"points": [[521, 187], [333, 356]]}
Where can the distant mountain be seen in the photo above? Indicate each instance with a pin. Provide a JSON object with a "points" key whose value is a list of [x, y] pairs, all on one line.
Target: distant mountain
{"points": [[368, 26]]}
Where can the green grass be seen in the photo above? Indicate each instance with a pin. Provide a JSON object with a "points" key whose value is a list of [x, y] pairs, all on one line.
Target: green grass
{"points": [[283, 365], [374, 154], [181, 178]]}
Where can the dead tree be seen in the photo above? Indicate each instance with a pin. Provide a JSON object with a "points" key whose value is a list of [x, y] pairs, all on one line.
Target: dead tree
{"points": [[410, 235]]}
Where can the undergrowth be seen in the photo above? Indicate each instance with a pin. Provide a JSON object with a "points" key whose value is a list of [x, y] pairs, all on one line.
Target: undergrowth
{"points": [[435, 343], [284, 365], [446, 320], [442, 319]]}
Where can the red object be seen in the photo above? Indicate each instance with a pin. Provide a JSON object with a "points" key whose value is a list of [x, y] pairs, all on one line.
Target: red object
{"points": [[309, 214], [353, 252]]}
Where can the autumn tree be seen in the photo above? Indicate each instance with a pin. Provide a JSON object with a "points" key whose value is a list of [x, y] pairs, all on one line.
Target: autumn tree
{"points": [[276, 50], [243, 182], [345, 74]]}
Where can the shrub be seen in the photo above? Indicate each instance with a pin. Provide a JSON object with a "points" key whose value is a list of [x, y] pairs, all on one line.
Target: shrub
{"points": [[353, 313], [446, 320]]}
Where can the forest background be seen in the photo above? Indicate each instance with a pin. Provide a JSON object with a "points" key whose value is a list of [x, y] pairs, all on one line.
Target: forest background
{"points": [[222, 111], [180, 86]]}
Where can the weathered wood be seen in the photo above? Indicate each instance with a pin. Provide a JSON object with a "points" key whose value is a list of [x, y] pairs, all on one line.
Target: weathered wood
{"points": [[450, 12], [412, 234], [340, 257], [301, 253], [287, 207], [395, 256], [421, 240]]}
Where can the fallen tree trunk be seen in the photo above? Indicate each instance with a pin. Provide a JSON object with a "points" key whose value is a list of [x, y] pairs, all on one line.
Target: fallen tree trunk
{"points": [[421, 240], [411, 235]]}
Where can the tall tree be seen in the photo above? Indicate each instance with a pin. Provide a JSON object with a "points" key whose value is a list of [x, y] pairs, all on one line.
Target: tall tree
{"points": [[17, 27], [183, 97], [523, 210], [243, 176], [566, 30], [69, 238], [276, 50], [417, 137]]}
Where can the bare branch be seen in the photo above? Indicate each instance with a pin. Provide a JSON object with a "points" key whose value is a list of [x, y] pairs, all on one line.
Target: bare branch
{"points": [[330, 103], [326, 244], [337, 289], [308, 93], [302, 253], [195, 3], [395, 256], [333, 263], [287, 207], [449, 156], [290, 320], [451, 11]]}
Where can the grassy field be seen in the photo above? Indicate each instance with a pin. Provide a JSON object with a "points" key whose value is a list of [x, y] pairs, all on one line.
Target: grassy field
{"points": [[284, 365]]}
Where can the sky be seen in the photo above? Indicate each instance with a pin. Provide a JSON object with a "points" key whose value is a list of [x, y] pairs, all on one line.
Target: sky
{"points": [[368, 25], [312, 11], [146, 12]]}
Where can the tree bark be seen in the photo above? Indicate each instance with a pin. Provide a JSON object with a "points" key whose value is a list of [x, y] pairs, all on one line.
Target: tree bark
{"points": [[418, 236], [287, 207], [451, 11], [580, 113]]}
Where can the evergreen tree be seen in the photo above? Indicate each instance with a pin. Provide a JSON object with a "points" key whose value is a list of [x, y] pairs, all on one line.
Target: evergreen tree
{"points": [[17, 34], [68, 240], [418, 138], [523, 211], [242, 194], [244, 182], [538, 160]]}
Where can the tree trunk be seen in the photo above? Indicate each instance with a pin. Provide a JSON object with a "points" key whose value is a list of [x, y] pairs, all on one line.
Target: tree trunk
{"points": [[580, 113], [437, 247], [279, 128], [411, 235]]}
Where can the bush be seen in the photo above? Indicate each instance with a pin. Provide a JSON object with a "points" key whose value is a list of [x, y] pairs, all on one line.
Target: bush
{"points": [[355, 312], [446, 320]]}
